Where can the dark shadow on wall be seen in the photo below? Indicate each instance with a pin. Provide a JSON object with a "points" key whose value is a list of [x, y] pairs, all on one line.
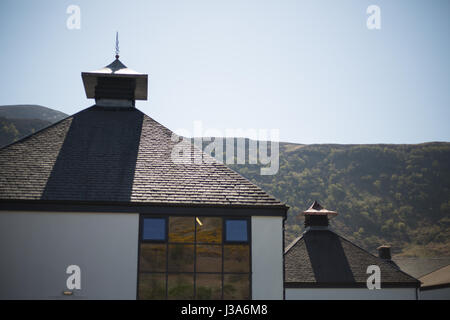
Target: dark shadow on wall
{"points": [[328, 259], [97, 160]]}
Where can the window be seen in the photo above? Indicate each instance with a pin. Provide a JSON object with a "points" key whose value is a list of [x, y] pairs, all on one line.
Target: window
{"points": [[154, 229], [208, 286], [236, 258], [194, 258], [153, 257], [236, 230], [181, 229], [235, 287], [152, 286]]}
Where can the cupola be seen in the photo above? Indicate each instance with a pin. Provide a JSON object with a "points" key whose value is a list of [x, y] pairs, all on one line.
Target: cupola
{"points": [[115, 85], [317, 216]]}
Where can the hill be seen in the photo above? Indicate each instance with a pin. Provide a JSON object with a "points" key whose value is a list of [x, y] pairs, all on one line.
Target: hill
{"points": [[18, 121], [394, 194], [26, 111]]}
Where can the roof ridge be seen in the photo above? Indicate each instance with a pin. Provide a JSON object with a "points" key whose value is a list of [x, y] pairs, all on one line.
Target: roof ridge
{"points": [[293, 243]]}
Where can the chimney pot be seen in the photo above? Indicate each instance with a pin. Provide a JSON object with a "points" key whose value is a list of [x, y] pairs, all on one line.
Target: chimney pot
{"points": [[317, 216], [384, 252]]}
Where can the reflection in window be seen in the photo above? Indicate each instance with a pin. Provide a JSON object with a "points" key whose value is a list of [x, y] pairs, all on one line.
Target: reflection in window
{"points": [[181, 286], [153, 257], [236, 258], [209, 258], [152, 286], [194, 258], [181, 229], [209, 230], [181, 258], [236, 286], [208, 286]]}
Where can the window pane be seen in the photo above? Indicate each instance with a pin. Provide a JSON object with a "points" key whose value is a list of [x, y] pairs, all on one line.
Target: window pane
{"points": [[181, 258], [236, 230], [153, 257], [154, 229], [236, 258], [236, 286], [208, 286], [152, 286], [181, 286], [209, 230], [181, 229], [209, 258]]}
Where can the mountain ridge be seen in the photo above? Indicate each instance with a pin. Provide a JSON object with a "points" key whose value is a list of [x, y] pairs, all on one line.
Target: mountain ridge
{"points": [[384, 193], [19, 121]]}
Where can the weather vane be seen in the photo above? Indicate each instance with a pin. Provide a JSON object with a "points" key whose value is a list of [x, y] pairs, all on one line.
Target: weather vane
{"points": [[117, 45]]}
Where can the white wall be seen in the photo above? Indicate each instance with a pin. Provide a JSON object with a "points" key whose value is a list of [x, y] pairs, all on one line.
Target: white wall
{"points": [[267, 258], [37, 247], [351, 294], [435, 294]]}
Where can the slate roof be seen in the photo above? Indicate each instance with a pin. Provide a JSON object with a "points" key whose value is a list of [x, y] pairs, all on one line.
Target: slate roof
{"points": [[436, 279], [418, 267], [118, 155], [321, 258]]}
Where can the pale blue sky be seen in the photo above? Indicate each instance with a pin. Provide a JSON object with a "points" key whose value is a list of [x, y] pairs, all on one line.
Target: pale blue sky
{"points": [[309, 68]]}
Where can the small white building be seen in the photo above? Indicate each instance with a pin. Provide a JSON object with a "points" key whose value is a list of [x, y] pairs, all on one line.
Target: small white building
{"points": [[95, 207], [323, 265]]}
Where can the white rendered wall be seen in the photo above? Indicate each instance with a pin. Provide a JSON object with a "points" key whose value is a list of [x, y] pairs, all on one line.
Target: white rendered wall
{"points": [[37, 247], [435, 294], [267, 258], [351, 294]]}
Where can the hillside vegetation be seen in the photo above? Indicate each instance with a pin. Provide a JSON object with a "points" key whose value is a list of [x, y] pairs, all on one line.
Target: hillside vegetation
{"points": [[384, 194], [18, 121], [28, 111]]}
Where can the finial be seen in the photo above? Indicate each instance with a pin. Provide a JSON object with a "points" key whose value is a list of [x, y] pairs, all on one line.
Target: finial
{"points": [[117, 45]]}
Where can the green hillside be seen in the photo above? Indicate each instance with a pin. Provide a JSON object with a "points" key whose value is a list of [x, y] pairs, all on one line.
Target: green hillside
{"points": [[18, 121], [395, 194], [29, 111]]}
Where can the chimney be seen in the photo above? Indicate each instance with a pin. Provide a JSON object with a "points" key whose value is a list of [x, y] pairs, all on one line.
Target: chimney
{"points": [[384, 252], [317, 217]]}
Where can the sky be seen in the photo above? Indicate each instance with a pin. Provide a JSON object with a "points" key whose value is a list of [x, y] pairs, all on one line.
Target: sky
{"points": [[310, 69]]}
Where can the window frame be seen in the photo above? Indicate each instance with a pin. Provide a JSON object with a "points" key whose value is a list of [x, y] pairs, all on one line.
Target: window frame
{"points": [[194, 273]]}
